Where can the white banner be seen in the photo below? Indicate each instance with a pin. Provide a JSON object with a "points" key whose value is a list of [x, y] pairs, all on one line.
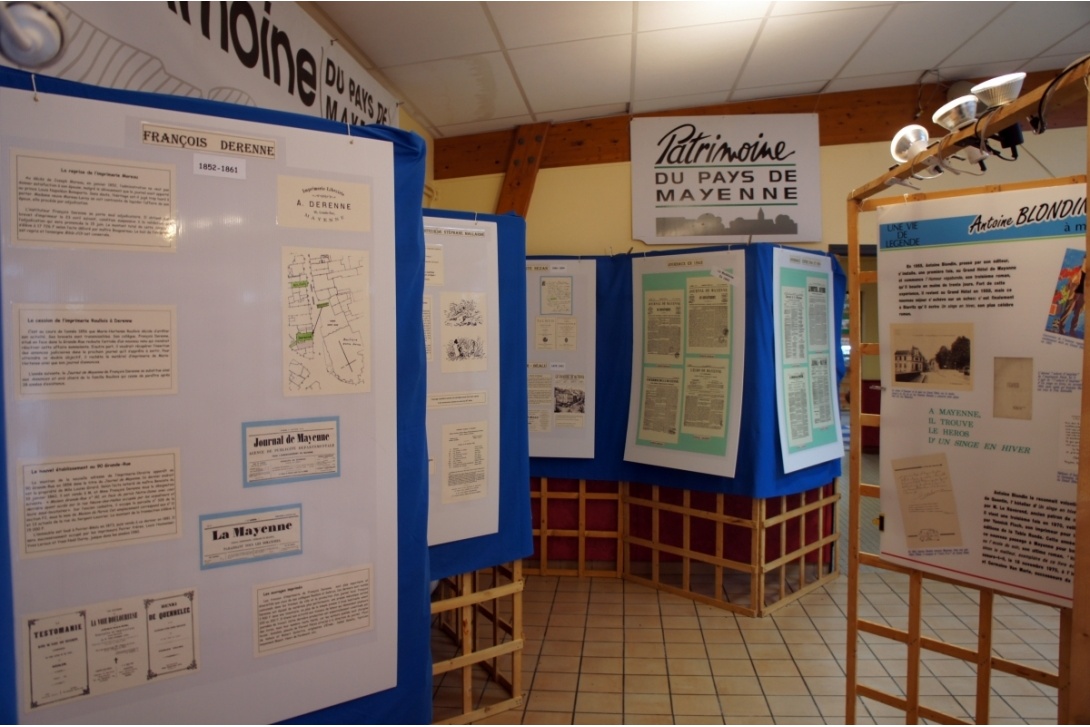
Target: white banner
{"points": [[269, 55], [716, 179], [981, 331]]}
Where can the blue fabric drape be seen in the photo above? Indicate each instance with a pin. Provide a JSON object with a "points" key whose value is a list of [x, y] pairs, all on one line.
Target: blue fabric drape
{"points": [[759, 471], [515, 537]]}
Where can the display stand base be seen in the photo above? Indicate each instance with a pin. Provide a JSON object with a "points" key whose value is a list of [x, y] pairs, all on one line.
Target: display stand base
{"points": [[577, 528], [477, 642], [747, 555]]}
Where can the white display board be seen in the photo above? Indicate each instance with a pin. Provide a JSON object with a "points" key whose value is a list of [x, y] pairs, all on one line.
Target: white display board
{"points": [[462, 342], [805, 339], [561, 333], [716, 179], [982, 331], [200, 387], [688, 337]]}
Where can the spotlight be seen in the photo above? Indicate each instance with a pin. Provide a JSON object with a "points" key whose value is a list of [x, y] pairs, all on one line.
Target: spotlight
{"points": [[1000, 90], [957, 113], [908, 144]]}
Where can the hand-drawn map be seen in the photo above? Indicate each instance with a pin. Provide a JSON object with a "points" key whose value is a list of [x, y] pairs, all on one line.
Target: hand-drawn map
{"points": [[327, 321]]}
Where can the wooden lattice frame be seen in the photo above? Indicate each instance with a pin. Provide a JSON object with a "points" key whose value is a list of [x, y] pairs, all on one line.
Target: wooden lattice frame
{"points": [[583, 494], [1074, 638], [769, 585], [481, 615]]}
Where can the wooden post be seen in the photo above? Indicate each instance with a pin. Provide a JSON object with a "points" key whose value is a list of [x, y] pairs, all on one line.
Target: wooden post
{"points": [[855, 394], [1080, 606]]}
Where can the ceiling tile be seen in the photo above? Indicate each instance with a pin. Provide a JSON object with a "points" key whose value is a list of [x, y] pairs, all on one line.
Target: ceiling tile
{"points": [[663, 15], [803, 7], [1024, 30], [590, 112], [692, 60], [483, 127], [1050, 63], [454, 91], [678, 102], [898, 43], [798, 48], [389, 36], [781, 91], [881, 80], [980, 70], [1076, 44], [580, 73], [464, 67], [523, 24]]}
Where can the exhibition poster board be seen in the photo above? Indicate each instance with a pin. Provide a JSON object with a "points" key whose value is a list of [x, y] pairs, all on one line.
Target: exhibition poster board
{"points": [[688, 349], [982, 329], [199, 371], [514, 537], [561, 332], [717, 179], [461, 309], [806, 339]]}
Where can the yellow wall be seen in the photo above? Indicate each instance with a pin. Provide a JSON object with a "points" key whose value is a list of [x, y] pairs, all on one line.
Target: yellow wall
{"points": [[588, 210]]}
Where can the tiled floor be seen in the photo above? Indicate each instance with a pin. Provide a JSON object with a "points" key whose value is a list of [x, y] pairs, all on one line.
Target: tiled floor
{"points": [[604, 651]]}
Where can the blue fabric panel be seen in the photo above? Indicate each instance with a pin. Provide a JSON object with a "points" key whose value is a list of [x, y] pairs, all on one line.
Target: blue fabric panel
{"points": [[759, 470], [410, 701], [515, 537]]}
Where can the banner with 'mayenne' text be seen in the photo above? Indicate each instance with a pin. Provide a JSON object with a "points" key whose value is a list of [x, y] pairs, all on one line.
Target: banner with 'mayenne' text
{"points": [[718, 179], [268, 55]]}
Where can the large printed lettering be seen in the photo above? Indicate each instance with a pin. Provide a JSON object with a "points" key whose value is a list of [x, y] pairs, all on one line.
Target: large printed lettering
{"points": [[255, 42]]}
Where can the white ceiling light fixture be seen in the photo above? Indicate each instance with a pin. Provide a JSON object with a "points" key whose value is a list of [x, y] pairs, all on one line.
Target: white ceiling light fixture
{"points": [[31, 33]]}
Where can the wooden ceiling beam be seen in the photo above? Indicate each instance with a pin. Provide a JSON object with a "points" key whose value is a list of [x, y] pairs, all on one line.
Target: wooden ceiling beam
{"points": [[522, 167], [849, 117]]}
